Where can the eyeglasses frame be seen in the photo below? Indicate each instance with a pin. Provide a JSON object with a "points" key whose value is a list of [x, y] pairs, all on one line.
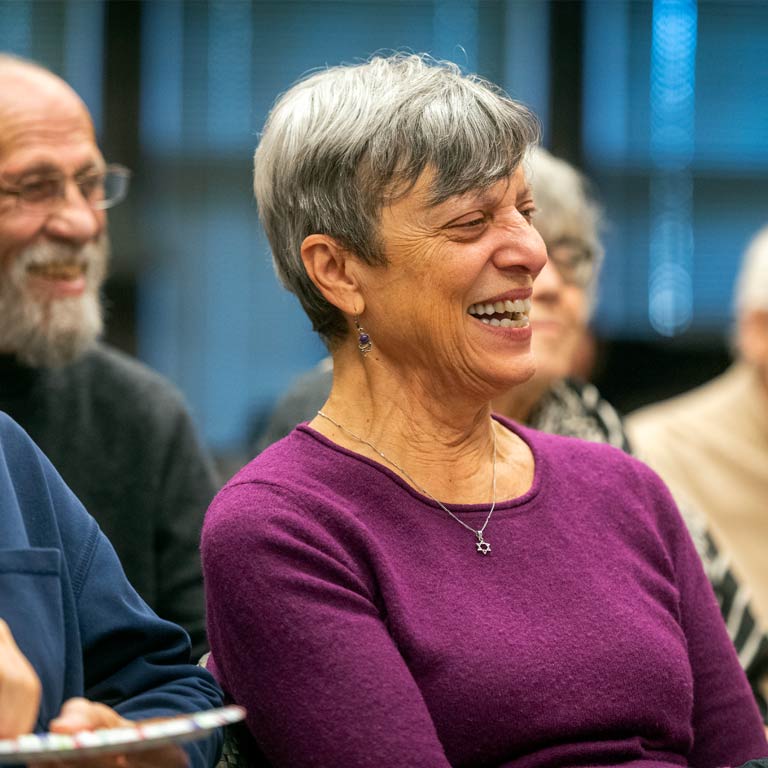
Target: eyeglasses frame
{"points": [[115, 169]]}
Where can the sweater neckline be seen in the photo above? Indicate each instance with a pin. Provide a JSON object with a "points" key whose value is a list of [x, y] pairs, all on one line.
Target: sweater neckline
{"points": [[478, 509], [16, 379]]}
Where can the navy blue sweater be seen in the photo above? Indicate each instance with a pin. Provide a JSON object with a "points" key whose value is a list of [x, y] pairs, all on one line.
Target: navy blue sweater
{"points": [[72, 611]]}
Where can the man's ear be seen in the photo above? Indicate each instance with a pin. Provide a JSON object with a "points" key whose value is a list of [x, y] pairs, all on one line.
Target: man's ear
{"points": [[331, 269], [753, 337]]}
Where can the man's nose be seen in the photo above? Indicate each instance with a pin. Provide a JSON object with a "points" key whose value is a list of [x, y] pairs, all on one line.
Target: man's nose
{"points": [[75, 220]]}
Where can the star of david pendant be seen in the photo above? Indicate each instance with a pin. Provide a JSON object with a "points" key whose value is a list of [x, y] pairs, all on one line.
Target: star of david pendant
{"points": [[483, 547]]}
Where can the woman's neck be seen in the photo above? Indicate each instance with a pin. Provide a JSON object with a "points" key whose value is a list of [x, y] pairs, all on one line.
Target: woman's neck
{"points": [[438, 442]]}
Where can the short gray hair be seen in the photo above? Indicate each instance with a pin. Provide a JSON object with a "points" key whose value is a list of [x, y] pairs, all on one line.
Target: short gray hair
{"points": [[565, 208], [752, 282], [343, 142]]}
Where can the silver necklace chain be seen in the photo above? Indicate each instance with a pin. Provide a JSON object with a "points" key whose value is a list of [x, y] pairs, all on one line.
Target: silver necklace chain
{"points": [[483, 547]]}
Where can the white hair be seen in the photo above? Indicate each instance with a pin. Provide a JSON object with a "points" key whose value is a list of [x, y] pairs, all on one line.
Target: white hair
{"points": [[565, 208], [56, 332], [752, 282]]}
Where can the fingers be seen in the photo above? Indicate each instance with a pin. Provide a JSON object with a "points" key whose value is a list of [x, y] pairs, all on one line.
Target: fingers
{"points": [[19, 688], [167, 757], [83, 715]]}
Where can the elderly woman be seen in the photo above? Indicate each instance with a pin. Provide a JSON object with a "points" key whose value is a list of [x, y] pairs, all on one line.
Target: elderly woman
{"points": [[406, 580]]}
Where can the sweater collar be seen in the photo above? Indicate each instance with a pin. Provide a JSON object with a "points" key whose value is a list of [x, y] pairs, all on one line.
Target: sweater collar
{"points": [[16, 379]]}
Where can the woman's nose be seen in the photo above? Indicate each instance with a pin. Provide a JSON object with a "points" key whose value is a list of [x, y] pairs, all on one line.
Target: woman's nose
{"points": [[521, 247]]}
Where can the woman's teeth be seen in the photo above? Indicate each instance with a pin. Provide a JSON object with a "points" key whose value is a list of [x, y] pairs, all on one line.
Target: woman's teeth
{"points": [[504, 314]]}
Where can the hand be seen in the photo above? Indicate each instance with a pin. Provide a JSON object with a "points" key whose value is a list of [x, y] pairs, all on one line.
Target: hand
{"points": [[19, 688], [83, 715]]}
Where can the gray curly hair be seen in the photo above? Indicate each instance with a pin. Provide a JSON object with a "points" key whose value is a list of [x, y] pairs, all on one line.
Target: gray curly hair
{"points": [[565, 209], [342, 143]]}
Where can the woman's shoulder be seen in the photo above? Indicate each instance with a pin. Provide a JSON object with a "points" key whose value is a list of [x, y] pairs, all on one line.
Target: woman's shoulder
{"points": [[576, 465], [298, 480], [281, 467], [568, 450], [278, 459]]}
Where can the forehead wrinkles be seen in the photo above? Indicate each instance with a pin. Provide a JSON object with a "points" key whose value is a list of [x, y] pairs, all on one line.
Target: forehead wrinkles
{"points": [[25, 133]]}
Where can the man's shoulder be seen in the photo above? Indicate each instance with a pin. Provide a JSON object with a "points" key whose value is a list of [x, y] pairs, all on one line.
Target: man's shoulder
{"points": [[29, 476], [684, 415], [123, 375], [13, 438]]}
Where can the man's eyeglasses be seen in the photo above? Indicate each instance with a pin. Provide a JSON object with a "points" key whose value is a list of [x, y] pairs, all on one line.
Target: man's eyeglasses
{"points": [[573, 260], [101, 189]]}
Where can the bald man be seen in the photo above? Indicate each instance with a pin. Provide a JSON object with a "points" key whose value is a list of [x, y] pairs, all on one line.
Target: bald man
{"points": [[118, 433]]}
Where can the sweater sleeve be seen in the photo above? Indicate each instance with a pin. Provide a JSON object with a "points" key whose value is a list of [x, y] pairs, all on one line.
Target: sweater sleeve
{"points": [[727, 727], [133, 661], [298, 639]]}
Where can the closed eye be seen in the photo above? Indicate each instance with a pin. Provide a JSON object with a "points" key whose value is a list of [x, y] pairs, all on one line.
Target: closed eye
{"points": [[468, 222]]}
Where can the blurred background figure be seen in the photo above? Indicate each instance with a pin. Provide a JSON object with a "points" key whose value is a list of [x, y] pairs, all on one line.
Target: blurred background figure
{"points": [[118, 433], [711, 444]]}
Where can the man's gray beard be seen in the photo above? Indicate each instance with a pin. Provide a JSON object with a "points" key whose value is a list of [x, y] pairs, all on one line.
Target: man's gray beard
{"points": [[56, 332]]}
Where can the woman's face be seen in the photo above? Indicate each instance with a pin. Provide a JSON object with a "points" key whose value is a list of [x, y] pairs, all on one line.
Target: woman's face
{"points": [[559, 314], [451, 306]]}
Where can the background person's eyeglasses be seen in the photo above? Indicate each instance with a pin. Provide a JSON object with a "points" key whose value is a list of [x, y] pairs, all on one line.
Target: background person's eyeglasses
{"points": [[43, 191], [573, 260]]}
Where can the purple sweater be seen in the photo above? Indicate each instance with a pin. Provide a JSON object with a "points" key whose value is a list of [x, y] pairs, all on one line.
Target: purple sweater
{"points": [[360, 627]]}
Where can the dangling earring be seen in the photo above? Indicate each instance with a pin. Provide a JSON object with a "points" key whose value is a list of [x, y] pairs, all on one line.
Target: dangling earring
{"points": [[363, 339]]}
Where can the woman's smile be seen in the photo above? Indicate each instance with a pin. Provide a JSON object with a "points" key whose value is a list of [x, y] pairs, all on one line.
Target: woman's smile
{"points": [[502, 313]]}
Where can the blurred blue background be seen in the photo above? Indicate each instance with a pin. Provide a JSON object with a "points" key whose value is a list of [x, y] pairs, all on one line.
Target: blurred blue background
{"points": [[663, 104]]}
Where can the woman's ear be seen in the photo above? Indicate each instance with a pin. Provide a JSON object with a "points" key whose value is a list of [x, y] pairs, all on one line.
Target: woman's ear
{"points": [[331, 268]]}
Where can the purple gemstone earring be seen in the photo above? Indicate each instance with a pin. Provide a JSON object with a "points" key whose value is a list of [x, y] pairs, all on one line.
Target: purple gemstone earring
{"points": [[363, 339]]}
